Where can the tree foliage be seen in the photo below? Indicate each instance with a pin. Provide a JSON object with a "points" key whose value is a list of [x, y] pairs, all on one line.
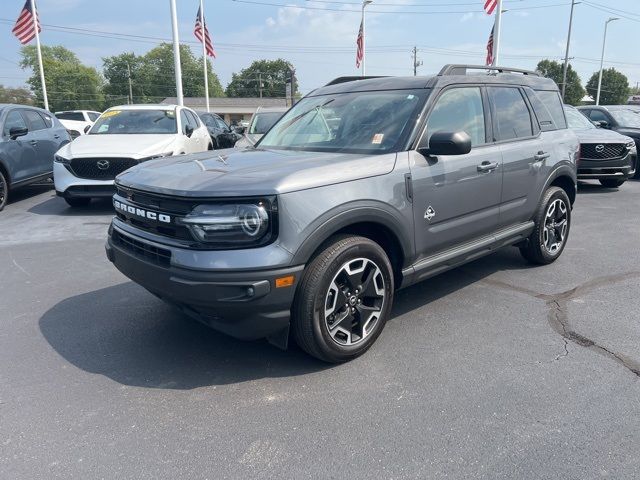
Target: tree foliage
{"points": [[615, 87], [70, 84], [153, 77], [21, 96], [554, 70], [273, 74]]}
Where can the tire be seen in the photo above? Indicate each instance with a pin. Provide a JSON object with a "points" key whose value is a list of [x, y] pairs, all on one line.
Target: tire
{"points": [[550, 220], [4, 190], [333, 276], [210, 146], [78, 202], [611, 182]]}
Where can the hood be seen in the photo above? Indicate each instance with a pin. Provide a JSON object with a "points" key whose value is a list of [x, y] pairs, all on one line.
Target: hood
{"points": [[233, 172], [132, 146], [600, 135]]}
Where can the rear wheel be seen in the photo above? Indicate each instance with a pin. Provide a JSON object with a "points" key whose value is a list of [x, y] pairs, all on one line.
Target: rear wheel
{"points": [[4, 190], [552, 224], [78, 202], [343, 300], [611, 182]]}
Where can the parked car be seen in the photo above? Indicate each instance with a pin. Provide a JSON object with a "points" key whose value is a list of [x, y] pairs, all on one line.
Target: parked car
{"points": [[30, 138], [605, 155], [618, 118], [122, 137], [77, 121], [262, 120], [222, 136], [314, 231]]}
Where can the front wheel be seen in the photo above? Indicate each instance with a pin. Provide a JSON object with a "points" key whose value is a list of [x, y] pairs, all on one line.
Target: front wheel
{"points": [[611, 182], [552, 224], [343, 300], [4, 190]]}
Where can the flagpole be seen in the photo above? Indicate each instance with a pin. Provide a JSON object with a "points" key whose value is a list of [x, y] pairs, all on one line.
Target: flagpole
{"points": [[35, 26], [204, 54], [496, 35], [176, 52], [364, 37]]}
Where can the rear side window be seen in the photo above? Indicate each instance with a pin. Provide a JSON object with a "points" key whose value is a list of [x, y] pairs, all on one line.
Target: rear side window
{"points": [[93, 116], [47, 120], [193, 119], [513, 119], [221, 125], [78, 116], [551, 100], [184, 120], [457, 110], [35, 120], [14, 119]]}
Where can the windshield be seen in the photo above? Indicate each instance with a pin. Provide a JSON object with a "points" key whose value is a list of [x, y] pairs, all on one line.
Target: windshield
{"points": [[626, 118], [127, 122], [356, 122], [263, 121], [576, 120]]}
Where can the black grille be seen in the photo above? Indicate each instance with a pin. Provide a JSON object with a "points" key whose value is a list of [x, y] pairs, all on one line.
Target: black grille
{"points": [[100, 168], [603, 151], [159, 256]]}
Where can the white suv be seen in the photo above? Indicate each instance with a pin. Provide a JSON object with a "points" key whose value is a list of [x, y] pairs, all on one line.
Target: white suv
{"points": [[76, 121], [121, 138]]}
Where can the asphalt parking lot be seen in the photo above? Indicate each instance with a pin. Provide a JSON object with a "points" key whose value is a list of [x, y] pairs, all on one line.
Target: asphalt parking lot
{"points": [[495, 370]]}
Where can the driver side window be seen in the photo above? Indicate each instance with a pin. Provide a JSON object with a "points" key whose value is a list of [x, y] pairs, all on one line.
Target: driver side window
{"points": [[184, 121], [14, 119], [459, 109]]}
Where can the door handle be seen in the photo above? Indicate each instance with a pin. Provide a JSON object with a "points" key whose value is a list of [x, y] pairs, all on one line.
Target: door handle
{"points": [[487, 166], [33, 142], [538, 157], [56, 136]]}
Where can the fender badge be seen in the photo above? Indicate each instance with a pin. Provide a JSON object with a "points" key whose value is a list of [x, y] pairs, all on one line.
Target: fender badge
{"points": [[430, 213]]}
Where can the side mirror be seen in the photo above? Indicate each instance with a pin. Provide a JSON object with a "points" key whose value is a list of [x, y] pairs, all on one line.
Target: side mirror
{"points": [[602, 124], [447, 143], [188, 130], [87, 128], [16, 132]]}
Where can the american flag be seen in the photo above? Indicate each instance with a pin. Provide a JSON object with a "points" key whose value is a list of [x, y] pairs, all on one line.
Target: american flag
{"points": [[208, 44], [360, 43], [24, 29], [490, 49], [490, 6]]}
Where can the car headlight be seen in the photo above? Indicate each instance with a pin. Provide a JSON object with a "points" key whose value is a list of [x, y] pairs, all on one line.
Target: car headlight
{"points": [[62, 160], [233, 225], [631, 145]]}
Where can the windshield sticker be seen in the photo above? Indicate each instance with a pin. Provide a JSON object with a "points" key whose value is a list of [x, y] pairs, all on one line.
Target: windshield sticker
{"points": [[110, 113], [377, 138], [410, 97], [103, 128]]}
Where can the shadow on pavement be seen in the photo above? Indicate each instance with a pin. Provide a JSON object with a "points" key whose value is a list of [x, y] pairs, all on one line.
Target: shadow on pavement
{"points": [[28, 191], [128, 335], [594, 188], [58, 207]]}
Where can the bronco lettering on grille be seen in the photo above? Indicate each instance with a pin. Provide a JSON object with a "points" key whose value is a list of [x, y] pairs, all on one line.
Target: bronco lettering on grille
{"points": [[139, 212]]}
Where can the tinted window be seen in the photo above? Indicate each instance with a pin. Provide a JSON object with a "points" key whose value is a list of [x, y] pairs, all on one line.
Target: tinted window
{"points": [[70, 116], [209, 121], [263, 121], [459, 109], [93, 116], [47, 119], [598, 116], [193, 119], [551, 100], [35, 120], [14, 119], [184, 120], [513, 119], [576, 120], [221, 125]]}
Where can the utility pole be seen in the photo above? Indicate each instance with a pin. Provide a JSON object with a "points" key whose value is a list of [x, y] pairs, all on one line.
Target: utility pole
{"points": [[416, 63], [566, 52], [130, 87], [176, 53], [497, 26], [604, 43], [260, 83], [364, 37]]}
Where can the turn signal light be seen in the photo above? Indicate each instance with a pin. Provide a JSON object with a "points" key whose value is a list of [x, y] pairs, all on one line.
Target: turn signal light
{"points": [[285, 281]]}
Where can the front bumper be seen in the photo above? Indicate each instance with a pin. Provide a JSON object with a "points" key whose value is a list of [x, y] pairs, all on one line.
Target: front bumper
{"points": [[69, 186], [622, 168], [244, 304]]}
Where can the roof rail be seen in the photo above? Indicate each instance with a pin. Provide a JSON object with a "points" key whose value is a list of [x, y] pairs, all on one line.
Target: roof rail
{"points": [[338, 80], [453, 69]]}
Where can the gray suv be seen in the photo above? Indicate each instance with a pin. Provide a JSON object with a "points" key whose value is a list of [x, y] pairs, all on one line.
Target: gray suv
{"points": [[364, 187]]}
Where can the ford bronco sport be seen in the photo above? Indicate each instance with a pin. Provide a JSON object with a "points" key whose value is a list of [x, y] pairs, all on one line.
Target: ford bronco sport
{"points": [[364, 187]]}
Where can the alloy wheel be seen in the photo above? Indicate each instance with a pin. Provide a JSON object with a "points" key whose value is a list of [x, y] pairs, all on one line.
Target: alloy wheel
{"points": [[555, 227]]}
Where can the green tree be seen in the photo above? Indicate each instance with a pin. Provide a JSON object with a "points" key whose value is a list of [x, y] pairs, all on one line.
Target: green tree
{"points": [[153, 77], [574, 92], [21, 96], [615, 87], [70, 84], [271, 75]]}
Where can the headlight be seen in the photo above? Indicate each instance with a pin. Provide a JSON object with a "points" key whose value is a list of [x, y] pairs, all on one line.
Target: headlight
{"points": [[62, 160], [631, 145], [234, 225]]}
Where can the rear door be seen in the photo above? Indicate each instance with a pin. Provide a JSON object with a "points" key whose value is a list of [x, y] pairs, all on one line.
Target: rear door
{"points": [[46, 141], [456, 198], [20, 154]]}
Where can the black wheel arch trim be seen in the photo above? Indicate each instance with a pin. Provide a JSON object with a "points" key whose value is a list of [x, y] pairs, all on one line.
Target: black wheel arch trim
{"points": [[566, 169], [5, 171], [349, 214]]}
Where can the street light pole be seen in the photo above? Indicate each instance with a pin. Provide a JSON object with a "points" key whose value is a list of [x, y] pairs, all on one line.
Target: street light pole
{"points": [[604, 42], [364, 37], [566, 52]]}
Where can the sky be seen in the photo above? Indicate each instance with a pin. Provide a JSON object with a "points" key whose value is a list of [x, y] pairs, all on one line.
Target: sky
{"points": [[319, 38]]}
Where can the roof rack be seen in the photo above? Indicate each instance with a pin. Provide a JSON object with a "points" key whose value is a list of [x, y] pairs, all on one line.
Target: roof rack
{"points": [[453, 69], [338, 80]]}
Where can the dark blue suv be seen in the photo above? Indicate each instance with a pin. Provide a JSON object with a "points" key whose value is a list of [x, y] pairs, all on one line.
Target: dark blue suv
{"points": [[30, 138]]}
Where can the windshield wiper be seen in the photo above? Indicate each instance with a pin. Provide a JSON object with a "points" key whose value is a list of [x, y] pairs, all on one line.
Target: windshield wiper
{"points": [[303, 114]]}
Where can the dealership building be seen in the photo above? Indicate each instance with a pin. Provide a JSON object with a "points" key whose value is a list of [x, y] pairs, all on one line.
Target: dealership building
{"points": [[231, 109]]}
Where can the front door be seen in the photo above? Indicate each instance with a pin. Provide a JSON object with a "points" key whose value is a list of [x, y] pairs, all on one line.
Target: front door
{"points": [[456, 198], [20, 153]]}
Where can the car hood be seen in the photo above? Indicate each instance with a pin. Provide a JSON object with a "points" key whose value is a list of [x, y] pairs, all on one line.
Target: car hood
{"points": [[233, 172], [132, 146], [600, 135]]}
